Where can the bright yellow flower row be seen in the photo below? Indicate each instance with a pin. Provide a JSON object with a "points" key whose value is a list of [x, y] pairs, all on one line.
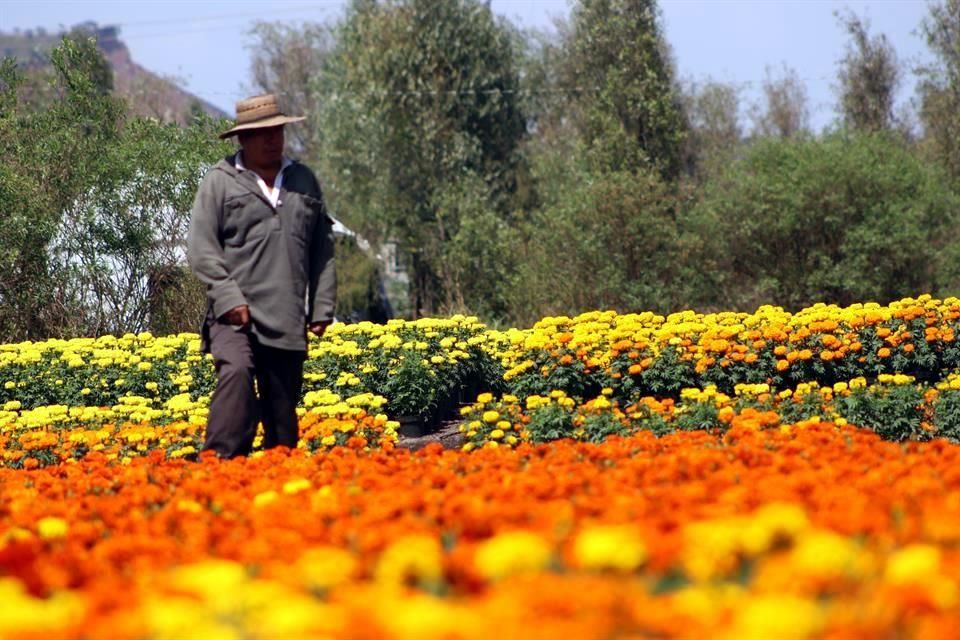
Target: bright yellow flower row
{"points": [[598, 335]]}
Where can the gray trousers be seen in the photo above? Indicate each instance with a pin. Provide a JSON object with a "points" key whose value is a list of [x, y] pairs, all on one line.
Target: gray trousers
{"points": [[236, 408]]}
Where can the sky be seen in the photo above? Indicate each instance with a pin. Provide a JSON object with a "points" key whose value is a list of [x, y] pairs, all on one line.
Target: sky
{"points": [[206, 45]]}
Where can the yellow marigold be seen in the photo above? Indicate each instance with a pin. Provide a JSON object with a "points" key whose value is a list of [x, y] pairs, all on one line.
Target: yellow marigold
{"points": [[858, 383], [609, 547], [772, 522], [512, 553], [826, 554], [265, 498], [325, 567], [296, 486], [602, 403], [415, 557], [51, 528], [913, 563], [781, 616], [534, 402], [191, 506]]}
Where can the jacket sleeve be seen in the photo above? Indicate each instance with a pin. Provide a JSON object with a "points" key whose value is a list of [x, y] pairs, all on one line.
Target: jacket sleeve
{"points": [[322, 294], [205, 250]]}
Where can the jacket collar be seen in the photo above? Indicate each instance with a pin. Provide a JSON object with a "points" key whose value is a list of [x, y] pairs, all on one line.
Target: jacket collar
{"points": [[237, 160], [245, 177]]}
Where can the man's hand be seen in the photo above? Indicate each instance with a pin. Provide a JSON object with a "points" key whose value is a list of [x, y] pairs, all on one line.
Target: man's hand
{"points": [[239, 316], [317, 328]]}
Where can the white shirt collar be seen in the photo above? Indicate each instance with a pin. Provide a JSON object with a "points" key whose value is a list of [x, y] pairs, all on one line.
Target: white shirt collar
{"points": [[272, 194]]}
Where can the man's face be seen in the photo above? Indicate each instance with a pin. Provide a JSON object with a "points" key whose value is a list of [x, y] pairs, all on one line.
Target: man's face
{"points": [[263, 147]]}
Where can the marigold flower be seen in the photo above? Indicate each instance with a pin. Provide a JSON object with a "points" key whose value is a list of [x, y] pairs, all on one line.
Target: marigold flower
{"points": [[511, 553], [265, 498], [297, 485], [413, 557], [51, 528], [491, 417], [913, 563], [777, 616], [609, 547]]}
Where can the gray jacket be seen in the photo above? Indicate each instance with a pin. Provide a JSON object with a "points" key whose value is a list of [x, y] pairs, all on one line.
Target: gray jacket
{"points": [[279, 262]]}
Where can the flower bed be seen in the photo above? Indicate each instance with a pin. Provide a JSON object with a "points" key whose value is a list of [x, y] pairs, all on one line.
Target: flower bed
{"points": [[425, 368], [803, 531], [726, 476], [422, 369], [51, 435], [640, 355], [895, 406]]}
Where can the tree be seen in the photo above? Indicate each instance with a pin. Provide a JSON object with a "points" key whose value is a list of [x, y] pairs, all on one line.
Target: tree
{"points": [[97, 69], [844, 218], [122, 240], [148, 95], [784, 112], [940, 85], [286, 61], [619, 70], [869, 76], [93, 208], [418, 98], [609, 147], [610, 242], [715, 133], [543, 88], [45, 162]]}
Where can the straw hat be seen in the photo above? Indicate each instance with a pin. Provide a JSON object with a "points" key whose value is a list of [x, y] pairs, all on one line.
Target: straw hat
{"points": [[259, 112]]}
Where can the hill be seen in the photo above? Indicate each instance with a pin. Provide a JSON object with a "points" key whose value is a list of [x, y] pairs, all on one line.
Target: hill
{"points": [[148, 93]]}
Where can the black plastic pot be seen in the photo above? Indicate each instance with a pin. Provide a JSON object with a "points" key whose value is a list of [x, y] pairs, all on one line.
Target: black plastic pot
{"points": [[412, 427]]}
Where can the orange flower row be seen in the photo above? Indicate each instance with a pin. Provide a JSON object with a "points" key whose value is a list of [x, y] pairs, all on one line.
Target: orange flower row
{"points": [[831, 530]]}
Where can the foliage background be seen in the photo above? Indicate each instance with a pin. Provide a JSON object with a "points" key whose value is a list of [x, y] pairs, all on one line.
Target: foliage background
{"points": [[520, 174]]}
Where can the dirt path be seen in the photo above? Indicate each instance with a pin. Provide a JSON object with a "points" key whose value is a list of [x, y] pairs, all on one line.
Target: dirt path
{"points": [[448, 435]]}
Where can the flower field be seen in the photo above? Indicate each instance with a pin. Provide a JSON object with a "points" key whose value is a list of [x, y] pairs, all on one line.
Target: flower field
{"points": [[764, 475]]}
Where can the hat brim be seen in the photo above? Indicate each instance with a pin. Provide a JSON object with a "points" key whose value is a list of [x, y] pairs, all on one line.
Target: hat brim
{"points": [[272, 121]]}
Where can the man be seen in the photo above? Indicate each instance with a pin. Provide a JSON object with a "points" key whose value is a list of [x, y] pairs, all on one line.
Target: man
{"points": [[261, 241]]}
